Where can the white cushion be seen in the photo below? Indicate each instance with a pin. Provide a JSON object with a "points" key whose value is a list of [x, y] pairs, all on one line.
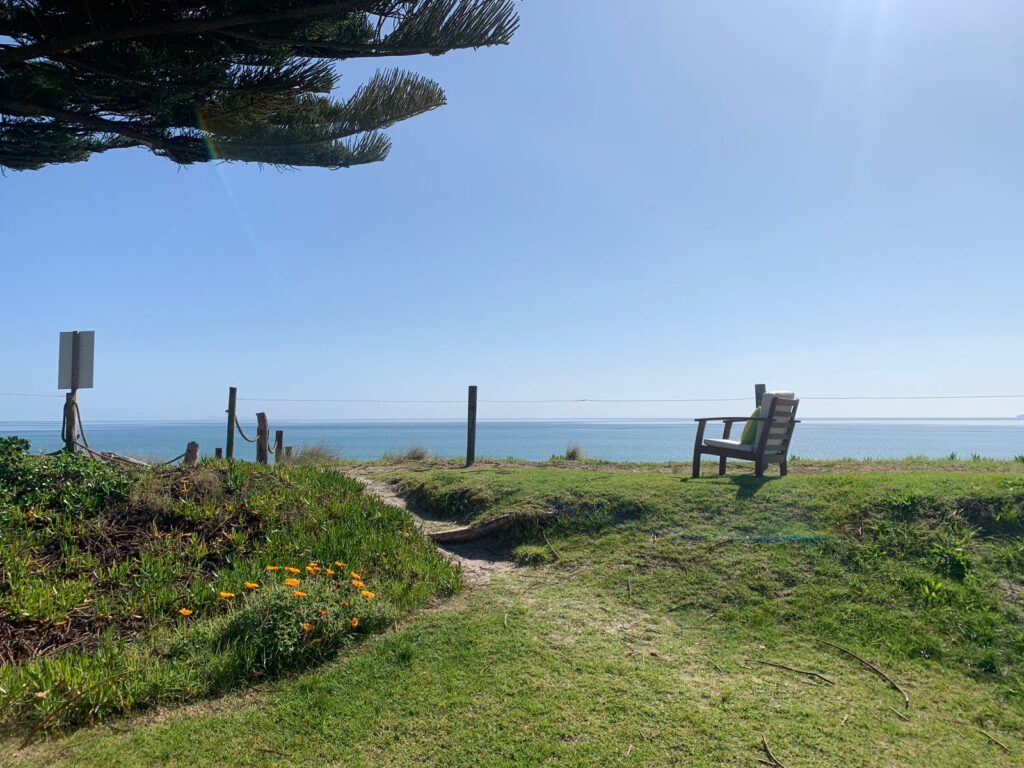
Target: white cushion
{"points": [[735, 444], [766, 402]]}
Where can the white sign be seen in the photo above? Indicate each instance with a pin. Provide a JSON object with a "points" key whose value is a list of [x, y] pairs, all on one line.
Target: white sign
{"points": [[86, 347]]}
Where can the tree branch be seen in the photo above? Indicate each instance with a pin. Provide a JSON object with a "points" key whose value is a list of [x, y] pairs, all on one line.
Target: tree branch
{"points": [[326, 49], [91, 122], [15, 54]]}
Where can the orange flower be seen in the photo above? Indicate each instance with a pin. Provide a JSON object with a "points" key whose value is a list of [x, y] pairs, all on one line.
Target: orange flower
{"points": [[273, 568], [354, 622], [354, 575], [367, 594], [226, 595], [357, 583], [251, 585], [328, 571], [292, 582], [322, 612], [307, 627], [339, 563], [185, 611], [311, 569], [298, 593], [292, 570], [344, 603]]}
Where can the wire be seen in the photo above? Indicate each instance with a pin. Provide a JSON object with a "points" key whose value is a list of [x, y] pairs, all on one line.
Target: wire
{"points": [[628, 400], [25, 394], [314, 400]]}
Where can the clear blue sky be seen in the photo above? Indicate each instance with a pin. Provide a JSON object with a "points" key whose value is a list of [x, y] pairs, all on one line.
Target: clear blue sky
{"points": [[827, 196]]}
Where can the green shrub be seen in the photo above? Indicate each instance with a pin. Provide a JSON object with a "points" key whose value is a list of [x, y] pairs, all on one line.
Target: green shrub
{"points": [[273, 631]]}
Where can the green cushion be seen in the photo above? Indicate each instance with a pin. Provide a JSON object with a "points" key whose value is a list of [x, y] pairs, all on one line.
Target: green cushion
{"points": [[750, 428]]}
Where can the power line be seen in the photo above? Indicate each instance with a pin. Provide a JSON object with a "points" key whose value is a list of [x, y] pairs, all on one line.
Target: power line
{"points": [[25, 394]]}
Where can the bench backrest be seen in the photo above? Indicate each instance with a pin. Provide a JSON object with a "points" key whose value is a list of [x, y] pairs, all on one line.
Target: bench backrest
{"points": [[775, 434]]}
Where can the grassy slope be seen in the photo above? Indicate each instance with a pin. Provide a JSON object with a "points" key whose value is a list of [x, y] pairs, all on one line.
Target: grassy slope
{"points": [[96, 561], [637, 646]]}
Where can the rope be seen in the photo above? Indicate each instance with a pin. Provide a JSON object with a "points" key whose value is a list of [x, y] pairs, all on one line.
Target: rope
{"points": [[170, 461], [244, 437], [81, 426]]}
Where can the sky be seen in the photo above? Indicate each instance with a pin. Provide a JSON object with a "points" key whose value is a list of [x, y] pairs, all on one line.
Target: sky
{"points": [[822, 195]]}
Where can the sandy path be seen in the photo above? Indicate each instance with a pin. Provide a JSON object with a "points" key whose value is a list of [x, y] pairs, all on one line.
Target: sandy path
{"points": [[477, 561]]}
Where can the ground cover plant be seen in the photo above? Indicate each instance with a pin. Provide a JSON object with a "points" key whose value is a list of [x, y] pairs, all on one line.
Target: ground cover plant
{"points": [[658, 620], [123, 588]]}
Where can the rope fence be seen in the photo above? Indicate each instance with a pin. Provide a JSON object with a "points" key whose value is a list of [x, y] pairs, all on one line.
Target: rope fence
{"points": [[72, 427]]}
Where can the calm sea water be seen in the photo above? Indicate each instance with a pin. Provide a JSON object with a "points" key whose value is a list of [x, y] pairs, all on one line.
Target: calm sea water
{"points": [[617, 440]]}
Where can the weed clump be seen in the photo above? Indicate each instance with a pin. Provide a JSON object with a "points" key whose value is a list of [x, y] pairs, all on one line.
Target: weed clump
{"points": [[316, 454], [416, 453], [532, 554], [573, 452]]}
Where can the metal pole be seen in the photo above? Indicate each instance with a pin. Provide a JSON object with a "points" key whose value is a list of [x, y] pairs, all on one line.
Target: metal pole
{"points": [[71, 401], [229, 446], [471, 428]]}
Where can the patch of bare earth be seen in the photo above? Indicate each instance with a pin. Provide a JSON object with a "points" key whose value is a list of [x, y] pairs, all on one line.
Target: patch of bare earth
{"points": [[477, 561]]}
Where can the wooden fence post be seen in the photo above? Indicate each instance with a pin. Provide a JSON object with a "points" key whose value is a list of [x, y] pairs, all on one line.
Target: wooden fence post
{"points": [[288, 452], [229, 446], [471, 428], [191, 455], [218, 453], [71, 400], [70, 424], [262, 438], [279, 446], [758, 394]]}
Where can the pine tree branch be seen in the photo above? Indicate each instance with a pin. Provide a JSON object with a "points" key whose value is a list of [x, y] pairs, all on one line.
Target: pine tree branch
{"points": [[130, 130], [19, 53], [339, 51]]}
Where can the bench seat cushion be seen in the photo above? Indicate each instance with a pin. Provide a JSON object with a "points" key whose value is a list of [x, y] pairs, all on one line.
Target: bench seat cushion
{"points": [[733, 444]]}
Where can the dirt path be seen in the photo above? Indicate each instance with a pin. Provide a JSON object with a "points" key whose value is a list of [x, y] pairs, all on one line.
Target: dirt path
{"points": [[478, 562]]}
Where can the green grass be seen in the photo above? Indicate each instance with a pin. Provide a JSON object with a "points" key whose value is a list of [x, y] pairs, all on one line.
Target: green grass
{"points": [[96, 562], [633, 633]]}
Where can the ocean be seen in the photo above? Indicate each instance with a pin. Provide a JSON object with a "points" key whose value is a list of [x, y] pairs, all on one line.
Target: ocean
{"points": [[612, 439]]}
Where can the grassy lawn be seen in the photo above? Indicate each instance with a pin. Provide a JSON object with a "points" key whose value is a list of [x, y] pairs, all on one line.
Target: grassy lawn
{"points": [[640, 631]]}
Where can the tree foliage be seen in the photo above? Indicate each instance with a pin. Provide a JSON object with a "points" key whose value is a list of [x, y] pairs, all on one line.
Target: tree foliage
{"points": [[195, 80]]}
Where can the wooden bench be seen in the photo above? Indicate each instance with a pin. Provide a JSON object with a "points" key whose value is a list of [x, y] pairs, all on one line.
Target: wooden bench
{"points": [[770, 446]]}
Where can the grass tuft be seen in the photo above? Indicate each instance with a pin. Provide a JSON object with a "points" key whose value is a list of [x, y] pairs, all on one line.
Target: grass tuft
{"points": [[315, 454]]}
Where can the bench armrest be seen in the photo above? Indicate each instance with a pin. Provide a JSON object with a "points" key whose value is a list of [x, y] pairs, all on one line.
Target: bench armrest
{"points": [[731, 419]]}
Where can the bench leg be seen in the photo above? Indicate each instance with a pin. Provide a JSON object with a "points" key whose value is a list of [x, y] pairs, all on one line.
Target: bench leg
{"points": [[726, 432], [783, 468], [758, 468], [697, 445]]}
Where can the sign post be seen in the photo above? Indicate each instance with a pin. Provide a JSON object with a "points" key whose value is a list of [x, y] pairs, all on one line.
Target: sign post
{"points": [[74, 372]]}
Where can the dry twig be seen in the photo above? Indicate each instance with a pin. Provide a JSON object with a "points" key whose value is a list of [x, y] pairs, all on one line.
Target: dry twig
{"points": [[873, 668], [773, 758], [994, 740], [797, 671], [899, 714]]}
